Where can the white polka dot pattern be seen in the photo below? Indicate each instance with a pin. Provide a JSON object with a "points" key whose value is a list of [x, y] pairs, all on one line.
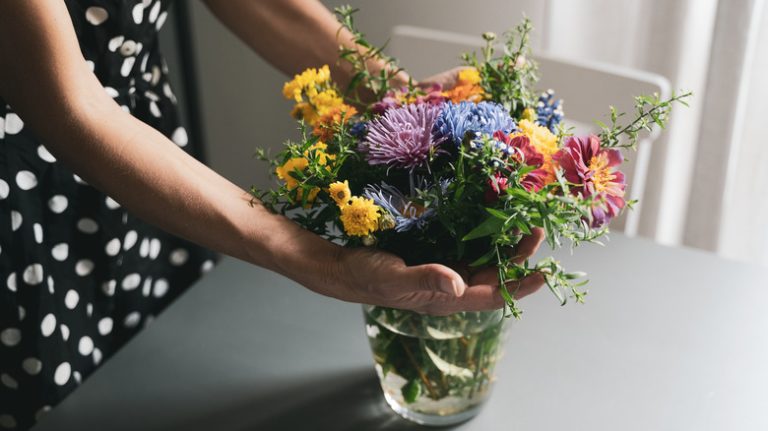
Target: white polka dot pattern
{"points": [[58, 204], [84, 267], [4, 189], [82, 274], [71, 299], [9, 381], [85, 346], [13, 124], [62, 374], [26, 180], [96, 15], [45, 155], [131, 281], [105, 325], [32, 366], [10, 337], [11, 282], [132, 319], [7, 421], [48, 325], [180, 137], [60, 252], [33, 275]]}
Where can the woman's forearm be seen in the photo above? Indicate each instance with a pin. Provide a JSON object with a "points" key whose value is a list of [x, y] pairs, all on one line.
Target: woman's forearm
{"points": [[291, 34], [46, 80]]}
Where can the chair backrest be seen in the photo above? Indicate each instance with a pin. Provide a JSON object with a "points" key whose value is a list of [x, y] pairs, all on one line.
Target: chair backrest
{"points": [[587, 88]]}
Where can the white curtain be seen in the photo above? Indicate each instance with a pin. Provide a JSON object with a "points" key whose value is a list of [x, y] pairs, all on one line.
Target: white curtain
{"points": [[709, 172]]}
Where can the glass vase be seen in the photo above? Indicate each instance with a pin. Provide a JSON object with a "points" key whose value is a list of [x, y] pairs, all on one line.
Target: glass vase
{"points": [[434, 370]]}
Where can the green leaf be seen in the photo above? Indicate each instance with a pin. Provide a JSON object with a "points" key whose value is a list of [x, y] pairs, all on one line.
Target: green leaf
{"points": [[498, 214], [411, 391], [482, 260], [523, 227], [490, 226]]}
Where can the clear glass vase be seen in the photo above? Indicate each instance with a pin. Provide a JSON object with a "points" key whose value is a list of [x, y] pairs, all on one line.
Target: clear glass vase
{"points": [[434, 370]]}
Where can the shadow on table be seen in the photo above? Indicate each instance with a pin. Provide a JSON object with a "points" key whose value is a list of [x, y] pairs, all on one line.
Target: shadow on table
{"points": [[343, 402]]}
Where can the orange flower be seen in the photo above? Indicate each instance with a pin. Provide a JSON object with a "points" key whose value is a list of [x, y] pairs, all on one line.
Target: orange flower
{"points": [[331, 119], [467, 87]]}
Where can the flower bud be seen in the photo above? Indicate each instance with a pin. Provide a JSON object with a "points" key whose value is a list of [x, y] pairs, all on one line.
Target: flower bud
{"points": [[369, 240], [529, 114], [386, 222], [520, 62], [489, 36]]}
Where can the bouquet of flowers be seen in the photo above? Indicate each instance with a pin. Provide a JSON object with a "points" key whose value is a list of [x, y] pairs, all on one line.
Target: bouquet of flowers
{"points": [[450, 175]]}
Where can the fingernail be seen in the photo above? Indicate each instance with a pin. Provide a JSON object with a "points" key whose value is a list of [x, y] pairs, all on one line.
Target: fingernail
{"points": [[458, 287], [448, 285]]}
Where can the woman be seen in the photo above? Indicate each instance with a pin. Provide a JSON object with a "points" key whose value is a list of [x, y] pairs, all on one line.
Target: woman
{"points": [[97, 192]]}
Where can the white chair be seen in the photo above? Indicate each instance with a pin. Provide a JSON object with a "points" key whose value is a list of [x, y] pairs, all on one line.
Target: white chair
{"points": [[587, 88]]}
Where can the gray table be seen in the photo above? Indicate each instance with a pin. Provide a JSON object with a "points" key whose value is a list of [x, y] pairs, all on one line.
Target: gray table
{"points": [[670, 339]]}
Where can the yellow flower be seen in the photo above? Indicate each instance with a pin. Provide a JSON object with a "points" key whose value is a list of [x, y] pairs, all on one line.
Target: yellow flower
{"points": [[311, 195], [469, 76], [305, 111], [544, 141], [292, 90], [340, 193], [307, 81], [321, 106], [326, 100], [319, 150], [285, 171], [360, 217]]}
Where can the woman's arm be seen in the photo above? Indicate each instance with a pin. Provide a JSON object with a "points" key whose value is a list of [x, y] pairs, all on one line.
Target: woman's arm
{"points": [[44, 77], [292, 35]]}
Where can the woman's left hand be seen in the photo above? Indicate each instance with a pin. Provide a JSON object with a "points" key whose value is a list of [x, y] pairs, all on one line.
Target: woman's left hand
{"points": [[447, 79]]}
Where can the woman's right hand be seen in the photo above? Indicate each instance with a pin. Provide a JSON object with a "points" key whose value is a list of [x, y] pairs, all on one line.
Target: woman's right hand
{"points": [[375, 277], [371, 276]]}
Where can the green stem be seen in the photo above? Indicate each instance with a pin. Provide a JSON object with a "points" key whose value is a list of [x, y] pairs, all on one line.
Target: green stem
{"points": [[418, 369]]}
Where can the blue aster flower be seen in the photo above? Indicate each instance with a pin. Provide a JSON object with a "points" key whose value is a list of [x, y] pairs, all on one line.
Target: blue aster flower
{"points": [[456, 120], [407, 214], [359, 130], [549, 111]]}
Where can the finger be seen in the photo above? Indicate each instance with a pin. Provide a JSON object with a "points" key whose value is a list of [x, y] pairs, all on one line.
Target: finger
{"points": [[431, 277], [478, 297], [446, 79], [519, 289], [475, 298], [528, 246], [463, 270], [489, 275], [527, 286]]}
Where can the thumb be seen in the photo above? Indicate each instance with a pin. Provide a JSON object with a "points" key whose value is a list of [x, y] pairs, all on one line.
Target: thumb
{"points": [[434, 277]]}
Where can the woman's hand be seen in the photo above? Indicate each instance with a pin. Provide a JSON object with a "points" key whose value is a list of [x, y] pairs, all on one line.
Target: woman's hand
{"points": [[447, 79], [369, 276]]}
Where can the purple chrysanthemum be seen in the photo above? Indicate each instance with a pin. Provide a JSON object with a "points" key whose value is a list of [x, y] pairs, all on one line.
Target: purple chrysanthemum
{"points": [[402, 137]]}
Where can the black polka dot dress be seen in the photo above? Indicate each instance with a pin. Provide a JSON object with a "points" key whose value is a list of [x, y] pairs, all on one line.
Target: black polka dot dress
{"points": [[80, 275]]}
